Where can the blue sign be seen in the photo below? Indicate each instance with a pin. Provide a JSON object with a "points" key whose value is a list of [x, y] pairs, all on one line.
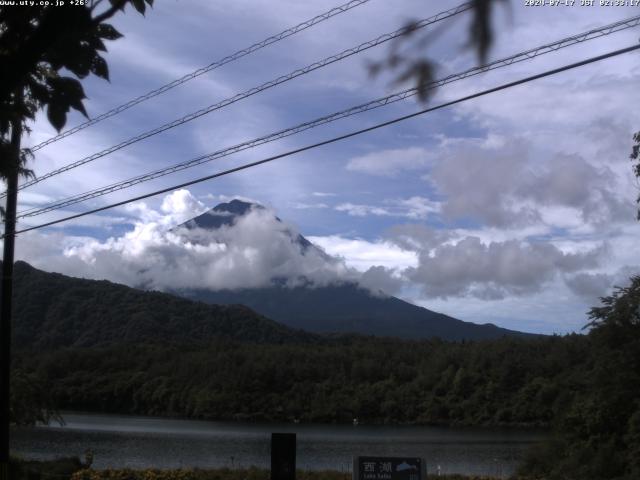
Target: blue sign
{"points": [[389, 468]]}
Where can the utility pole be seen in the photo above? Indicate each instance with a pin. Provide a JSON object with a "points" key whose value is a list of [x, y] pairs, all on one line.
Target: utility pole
{"points": [[13, 163]]}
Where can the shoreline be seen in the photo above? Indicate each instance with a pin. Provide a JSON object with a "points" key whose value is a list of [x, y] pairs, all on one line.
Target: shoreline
{"points": [[71, 468], [533, 427], [172, 444]]}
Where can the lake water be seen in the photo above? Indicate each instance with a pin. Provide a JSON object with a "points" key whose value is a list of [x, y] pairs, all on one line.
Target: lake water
{"points": [[141, 442]]}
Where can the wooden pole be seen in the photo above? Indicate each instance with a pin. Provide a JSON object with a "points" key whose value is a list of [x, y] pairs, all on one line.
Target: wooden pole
{"points": [[6, 287]]}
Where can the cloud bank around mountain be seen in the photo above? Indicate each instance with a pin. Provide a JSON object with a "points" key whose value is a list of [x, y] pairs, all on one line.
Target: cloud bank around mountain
{"points": [[258, 249], [255, 251]]}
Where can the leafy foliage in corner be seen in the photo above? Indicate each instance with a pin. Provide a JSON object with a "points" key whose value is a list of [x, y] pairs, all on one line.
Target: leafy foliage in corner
{"points": [[422, 70], [36, 44], [598, 436], [635, 155], [481, 34]]}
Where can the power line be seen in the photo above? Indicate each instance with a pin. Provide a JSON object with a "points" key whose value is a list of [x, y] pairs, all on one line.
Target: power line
{"points": [[339, 138], [526, 55], [212, 66], [272, 83]]}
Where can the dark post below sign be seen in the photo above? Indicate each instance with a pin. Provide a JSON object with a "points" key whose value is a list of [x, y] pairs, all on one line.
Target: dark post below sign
{"points": [[389, 468], [283, 456]]}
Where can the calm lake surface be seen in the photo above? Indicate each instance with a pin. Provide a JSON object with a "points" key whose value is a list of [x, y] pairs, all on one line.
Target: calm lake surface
{"points": [[141, 442]]}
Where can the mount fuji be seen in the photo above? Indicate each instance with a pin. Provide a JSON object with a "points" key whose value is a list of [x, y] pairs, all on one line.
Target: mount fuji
{"points": [[342, 306]]}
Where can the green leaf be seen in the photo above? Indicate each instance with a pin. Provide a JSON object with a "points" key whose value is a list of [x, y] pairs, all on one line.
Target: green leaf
{"points": [[39, 91], [97, 44], [79, 61], [139, 6], [99, 67], [108, 32], [79, 106], [57, 115], [67, 92], [66, 87]]}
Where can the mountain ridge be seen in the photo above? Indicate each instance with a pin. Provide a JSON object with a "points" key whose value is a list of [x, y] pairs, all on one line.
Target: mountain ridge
{"points": [[314, 310], [226, 214], [52, 310], [341, 307]]}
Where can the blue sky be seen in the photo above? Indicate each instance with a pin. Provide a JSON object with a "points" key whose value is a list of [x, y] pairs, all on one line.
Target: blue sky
{"points": [[517, 208]]}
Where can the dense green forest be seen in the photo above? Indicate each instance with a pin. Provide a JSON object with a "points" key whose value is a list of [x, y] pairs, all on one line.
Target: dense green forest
{"points": [[505, 382]]}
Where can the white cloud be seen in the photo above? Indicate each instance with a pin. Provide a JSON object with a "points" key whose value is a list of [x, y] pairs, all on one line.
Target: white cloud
{"points": [[307, 206], [182, 205], [96, 221], [513, 184], [590, 285], [418, 238], [251, 253], [324, 194], [362, 210], [419, 207], [414, 208], [552, 310], [175, 208], [362, 254], [478, 182], [44, 250], [381, 279], [389, 163], [30, 199], [495, 270]]}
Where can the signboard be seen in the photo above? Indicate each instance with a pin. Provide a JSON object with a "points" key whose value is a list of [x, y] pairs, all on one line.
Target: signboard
{"points": [[389, 468]]}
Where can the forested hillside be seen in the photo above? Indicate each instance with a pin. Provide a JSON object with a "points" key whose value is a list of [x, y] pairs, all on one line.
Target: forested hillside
{"points": [[53, 311], [598, 435]]}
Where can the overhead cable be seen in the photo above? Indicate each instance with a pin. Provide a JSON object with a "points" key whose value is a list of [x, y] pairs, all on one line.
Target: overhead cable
{"points": [[212, 66], [374, 104], [336, 139], [252, 91]]}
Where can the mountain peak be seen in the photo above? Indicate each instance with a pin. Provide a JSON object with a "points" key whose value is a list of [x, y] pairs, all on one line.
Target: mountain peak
{"points": [[236, 207], [223, 214], [226, 214]]}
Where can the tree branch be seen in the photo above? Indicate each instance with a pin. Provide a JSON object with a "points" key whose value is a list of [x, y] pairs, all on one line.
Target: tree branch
{"points": [[110, 12], [95, 4]]}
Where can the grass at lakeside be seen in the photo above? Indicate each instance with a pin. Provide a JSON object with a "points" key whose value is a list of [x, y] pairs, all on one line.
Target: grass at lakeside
{"points": [[61, 468], [73, 469], [225, 474]]}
